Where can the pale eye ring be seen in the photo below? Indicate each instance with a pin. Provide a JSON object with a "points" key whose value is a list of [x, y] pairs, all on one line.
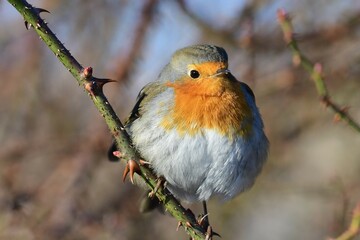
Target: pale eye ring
{"points": [[194, 74]]}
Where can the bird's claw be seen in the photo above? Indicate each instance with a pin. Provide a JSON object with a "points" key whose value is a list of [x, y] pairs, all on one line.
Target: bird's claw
{"points": [[143, 162], [209, 233], [131, 167], [160, 182], [204, 223]]}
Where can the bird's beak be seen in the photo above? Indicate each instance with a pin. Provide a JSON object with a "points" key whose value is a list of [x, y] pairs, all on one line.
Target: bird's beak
{"points": [[223, 71]]}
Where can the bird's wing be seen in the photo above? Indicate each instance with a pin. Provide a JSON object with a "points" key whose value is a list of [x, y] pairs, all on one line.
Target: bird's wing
{"points": [[248, 90], [140, 100], [147, 93]]}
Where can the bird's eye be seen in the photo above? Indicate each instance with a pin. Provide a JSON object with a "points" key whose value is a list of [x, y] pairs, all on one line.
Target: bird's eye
{"points": [[194, 74]]}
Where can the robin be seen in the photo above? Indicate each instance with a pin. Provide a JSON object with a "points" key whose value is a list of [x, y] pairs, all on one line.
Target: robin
{"points": [[199, 127]]}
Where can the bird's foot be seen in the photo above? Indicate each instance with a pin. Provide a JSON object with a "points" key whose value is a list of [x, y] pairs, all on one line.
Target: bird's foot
{"points": [[143, 162], [203, 221], [160, 183], [209, 233]]}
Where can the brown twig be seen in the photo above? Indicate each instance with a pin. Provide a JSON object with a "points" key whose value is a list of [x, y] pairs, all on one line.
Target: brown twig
{"points": [[315, 71]]}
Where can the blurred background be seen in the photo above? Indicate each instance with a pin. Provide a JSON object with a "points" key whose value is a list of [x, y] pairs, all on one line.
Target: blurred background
{"points": [[55, 180]]}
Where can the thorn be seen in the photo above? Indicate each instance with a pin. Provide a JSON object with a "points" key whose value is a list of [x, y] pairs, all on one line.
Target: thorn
{"points": [[131, 167], [337, 118], [40, 10], [27, 25], [117, 154], [339, 115], [92, 84], [102, 81], [178, 226], [188, 224]]}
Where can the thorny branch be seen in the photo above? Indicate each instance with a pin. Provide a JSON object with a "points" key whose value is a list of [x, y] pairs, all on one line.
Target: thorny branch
{"points": [[94, 87], [315, 71]]}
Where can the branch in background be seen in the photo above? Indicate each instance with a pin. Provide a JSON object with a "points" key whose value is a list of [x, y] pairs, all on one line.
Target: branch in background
{"points": [[315, 71], [124, 64], [334, 32], [94, 86], [222, 35], [228, 35], [245, 21], [262, 42], [354, 227]]}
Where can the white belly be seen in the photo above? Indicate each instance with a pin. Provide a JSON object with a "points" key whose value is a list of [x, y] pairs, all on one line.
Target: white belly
{"points": [[203, 165]]}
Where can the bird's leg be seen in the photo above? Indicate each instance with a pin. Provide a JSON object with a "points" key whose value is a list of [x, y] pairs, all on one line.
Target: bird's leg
{"points": [[143, 162], [206, 214], [203, 220], [160, 182]]}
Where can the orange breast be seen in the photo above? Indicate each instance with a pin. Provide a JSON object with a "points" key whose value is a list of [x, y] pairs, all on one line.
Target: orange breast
{"points": [[209, 103]]}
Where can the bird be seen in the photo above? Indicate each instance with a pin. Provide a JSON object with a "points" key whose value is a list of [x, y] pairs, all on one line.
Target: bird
{"points": [[199, 127]]}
